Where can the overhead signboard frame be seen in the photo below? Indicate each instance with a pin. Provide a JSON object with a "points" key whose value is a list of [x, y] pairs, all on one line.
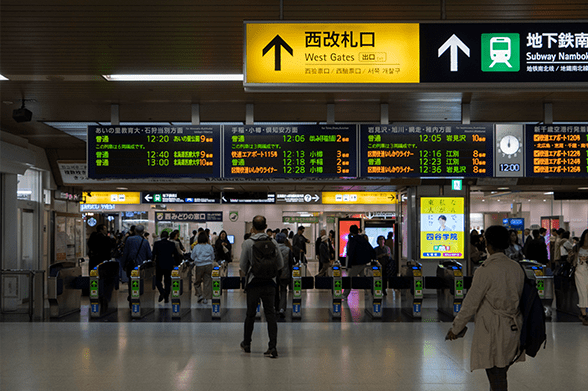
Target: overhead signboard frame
{"points": [[535, 55]]}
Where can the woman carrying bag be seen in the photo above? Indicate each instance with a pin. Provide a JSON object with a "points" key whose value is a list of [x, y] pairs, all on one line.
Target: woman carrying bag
{"points": [[579, 257], [223, 248]]}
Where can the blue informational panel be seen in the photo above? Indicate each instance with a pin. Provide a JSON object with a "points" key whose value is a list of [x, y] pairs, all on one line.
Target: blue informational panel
{"points": [[427, 150], [131, 151], [290, 151]]}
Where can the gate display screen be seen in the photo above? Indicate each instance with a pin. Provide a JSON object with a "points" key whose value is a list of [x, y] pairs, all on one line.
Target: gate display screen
{"points": [[426, 150], [153, 151], [557, 150], [290, 151]]}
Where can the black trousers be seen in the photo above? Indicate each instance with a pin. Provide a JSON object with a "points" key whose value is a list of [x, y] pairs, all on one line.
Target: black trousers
{"points": [[497, 378], [267, 294], [166, 274]]}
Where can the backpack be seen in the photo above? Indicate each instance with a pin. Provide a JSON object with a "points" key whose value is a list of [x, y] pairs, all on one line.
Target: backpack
{"points": [[264, 254], [533, 333]]}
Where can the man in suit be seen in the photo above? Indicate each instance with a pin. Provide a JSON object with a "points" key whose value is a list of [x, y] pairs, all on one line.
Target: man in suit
{"points": [[164, 256]]}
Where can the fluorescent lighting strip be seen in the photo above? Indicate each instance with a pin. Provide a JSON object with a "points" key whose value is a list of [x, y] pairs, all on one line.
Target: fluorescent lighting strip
{"points": [[230, 77], [3, 77]]}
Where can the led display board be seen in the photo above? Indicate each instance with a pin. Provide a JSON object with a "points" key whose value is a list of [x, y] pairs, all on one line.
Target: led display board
{"points": [[426, 150], [153, 151], [442, 228], [105, 197], [248, 198], [360, 197], [556, 150], [284, 151], [179, 198], [328, 53]]}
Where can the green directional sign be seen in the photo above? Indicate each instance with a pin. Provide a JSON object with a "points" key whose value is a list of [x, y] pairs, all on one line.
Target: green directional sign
{"points": [[297, 284], [459, 284], [216, 284], [540, 285], [94, 284], [418, 284], [378, 284], [176, 284], [338, 284], [135, 284]]}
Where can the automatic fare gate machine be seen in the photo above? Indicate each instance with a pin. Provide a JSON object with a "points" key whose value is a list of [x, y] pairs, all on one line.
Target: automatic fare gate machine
{"points": [[450, 293], [412, 299], [373, 296], [181, 291], [143, 290]]}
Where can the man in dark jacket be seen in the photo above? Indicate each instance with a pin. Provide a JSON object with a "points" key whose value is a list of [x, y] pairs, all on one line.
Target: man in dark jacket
{"points": [[299, 245], [164, 255], [100, 246], [359, 253], [537, 249]]}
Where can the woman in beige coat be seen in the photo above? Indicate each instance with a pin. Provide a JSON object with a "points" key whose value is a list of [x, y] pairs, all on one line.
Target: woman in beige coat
{"points": [[494, 299]]}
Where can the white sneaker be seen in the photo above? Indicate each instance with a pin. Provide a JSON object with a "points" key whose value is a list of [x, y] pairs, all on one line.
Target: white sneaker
{"points": [[204, 301]]}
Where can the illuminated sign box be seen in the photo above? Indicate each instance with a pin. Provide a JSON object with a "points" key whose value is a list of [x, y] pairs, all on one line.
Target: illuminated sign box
{"points": [[307, 53], [100, 197], [442, 228], [359, 198]]}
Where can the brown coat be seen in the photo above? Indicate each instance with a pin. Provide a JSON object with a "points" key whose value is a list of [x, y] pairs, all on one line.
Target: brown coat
{"points": [[494, 299]]}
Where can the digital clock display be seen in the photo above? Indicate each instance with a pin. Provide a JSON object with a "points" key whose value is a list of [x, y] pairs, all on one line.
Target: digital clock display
{"points": [[287, 151], [557, 150], [153, 151], [509, 167], [427, 150]]}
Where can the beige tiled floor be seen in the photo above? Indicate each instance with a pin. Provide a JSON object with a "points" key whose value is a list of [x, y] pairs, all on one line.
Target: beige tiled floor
{"points": [[313, 356]]}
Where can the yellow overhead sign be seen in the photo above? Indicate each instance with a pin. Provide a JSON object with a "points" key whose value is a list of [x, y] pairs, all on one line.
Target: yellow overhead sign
{"points": [[360, 197], [103, 197], [306, 53]]}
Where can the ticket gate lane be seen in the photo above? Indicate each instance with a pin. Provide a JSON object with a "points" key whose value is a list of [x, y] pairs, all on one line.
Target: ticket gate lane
{"points": [[450, 287], [181, 290], [373, 296], [545, 284], [143, 290], [412, 298], [64, 297], [104, 286]]}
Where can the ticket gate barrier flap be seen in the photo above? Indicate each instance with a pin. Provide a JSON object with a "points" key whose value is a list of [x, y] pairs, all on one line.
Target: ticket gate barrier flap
{"points": [[411, 298], [566, 295], [143, 290], [104, 287]]}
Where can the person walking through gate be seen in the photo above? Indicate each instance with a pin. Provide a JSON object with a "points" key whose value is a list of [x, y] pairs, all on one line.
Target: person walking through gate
{"points": [[260, 262], [203, 256], [494, 299], [164, 255], [137, 250], [100, 246], [359, 253]]}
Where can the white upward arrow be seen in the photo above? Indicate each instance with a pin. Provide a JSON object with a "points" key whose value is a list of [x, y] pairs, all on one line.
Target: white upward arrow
{"points": [[453, 42]]}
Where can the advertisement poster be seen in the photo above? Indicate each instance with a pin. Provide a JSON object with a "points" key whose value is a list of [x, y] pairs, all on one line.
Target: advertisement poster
{"points": [[344, 234], [442, 228]]}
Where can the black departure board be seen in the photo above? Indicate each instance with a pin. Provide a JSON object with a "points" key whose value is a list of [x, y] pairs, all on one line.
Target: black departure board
{"points": [[556, 150], [153, 151], [290, 151], [436, 150]]}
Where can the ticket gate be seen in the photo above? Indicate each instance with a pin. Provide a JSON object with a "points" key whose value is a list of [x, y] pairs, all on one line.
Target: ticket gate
{"points": [[336, 290], [450, 293], [216, 291], [142, 285], [181, 290], [104, 287], [545, 288], [373, 296], [64, 297], [300, 282], [412, 298]]}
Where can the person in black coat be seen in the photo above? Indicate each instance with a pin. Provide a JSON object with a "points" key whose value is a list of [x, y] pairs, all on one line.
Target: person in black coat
{"points": [[100, 246], [165, 254], [359, 253], [223, 248], [537, 249]]}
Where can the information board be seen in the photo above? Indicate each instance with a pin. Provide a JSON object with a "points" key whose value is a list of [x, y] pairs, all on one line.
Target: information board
{"points": [[297, 151], [442, 228], [426, 150], [180, 198], [556, 150], [153, 151], [503, 52]]}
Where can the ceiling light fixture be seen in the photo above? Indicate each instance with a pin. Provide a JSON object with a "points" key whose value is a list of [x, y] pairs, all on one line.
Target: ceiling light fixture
{"points": [[188, 77], [3, 77], [548, 193], [582, 188], [503, 188]]}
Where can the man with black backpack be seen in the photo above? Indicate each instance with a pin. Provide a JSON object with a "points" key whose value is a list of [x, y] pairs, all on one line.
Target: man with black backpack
{"points": [[260, 261]]}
